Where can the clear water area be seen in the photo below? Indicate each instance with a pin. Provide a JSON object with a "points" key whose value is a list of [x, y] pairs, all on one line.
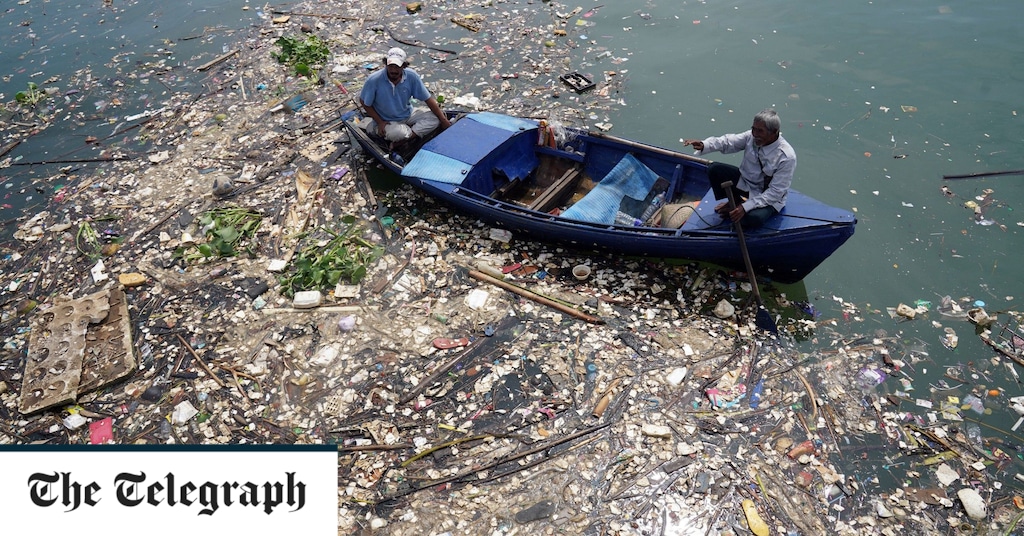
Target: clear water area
{"points": [[105, 63]]}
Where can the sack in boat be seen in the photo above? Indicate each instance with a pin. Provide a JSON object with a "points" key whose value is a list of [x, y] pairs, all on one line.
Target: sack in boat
{"points": [[397, 132], [675, 215]]}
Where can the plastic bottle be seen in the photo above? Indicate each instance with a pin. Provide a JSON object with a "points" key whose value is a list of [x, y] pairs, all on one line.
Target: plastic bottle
{"points": [[653, 207], [869, 378], [755, 394], [621, 218], [440, 317], [165, 430], [974, 434], [974, 403]]}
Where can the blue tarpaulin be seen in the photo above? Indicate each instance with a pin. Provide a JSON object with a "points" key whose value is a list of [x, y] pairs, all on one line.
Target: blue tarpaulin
{"points": [[450, 156], [629, 178]]}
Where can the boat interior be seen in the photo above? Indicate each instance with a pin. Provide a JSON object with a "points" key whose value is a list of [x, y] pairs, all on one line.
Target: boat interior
{"points": [[572, 174]]}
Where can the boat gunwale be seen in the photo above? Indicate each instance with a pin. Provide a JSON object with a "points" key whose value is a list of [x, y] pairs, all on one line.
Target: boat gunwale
{"points": [[821, 235]]}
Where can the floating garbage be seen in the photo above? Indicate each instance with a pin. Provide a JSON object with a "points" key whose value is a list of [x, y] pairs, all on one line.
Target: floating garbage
{"points": [[669, 416]]}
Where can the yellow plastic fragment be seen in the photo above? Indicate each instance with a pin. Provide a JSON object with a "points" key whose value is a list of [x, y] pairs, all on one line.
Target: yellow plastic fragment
{"points": [[939, 458], [131, 279], [757, 525]]}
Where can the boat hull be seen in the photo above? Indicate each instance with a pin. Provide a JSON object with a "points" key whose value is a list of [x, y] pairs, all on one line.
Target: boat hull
{"points": [[786, 249]]}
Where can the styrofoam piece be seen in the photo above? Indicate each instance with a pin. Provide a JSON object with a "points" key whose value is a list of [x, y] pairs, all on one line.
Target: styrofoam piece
{"points": [[53, 368], [99, 273], [108, 346], [183, 412], [307, 299]]}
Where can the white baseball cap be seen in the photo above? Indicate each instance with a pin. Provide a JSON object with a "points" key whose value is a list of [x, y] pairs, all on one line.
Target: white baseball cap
{"points": [[396, 56]]}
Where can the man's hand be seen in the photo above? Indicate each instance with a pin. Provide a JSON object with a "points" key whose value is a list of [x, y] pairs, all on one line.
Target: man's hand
{"points": [[436, 108], [734, 215], [696, 144], [382, 128], [737, 213]]}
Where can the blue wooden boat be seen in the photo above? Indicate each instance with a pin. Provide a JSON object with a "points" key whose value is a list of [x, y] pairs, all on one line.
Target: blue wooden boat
{"points": [[593, 191]]}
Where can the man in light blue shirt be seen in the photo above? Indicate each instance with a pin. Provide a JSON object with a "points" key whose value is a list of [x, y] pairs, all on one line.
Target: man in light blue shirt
{"points": [[386, 95], [764, 176]]}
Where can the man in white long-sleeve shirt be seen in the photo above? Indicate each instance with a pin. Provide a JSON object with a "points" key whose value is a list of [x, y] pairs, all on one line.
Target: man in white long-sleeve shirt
{"points": [[764, 176]]}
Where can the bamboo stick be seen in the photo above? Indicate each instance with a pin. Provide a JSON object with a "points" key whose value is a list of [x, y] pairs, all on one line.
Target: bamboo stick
{"points": [[216, 60], [534, 296]]}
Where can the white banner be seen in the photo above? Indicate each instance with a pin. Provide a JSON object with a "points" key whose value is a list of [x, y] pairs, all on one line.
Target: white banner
{"points": [[112, 490]]}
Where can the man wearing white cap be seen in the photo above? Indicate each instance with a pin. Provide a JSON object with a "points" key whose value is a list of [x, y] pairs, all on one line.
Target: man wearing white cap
{"points": [[385, 98]]}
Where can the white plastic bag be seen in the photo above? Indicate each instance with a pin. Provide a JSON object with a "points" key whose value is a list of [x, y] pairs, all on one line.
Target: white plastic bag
{"points": [[397, 132]]}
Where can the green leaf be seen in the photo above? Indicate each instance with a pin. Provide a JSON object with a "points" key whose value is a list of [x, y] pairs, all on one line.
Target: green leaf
{"points": [[228, 234], [358, 274], [224, 249]]}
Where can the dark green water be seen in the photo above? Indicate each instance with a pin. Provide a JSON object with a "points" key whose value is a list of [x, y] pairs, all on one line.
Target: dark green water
{"points": [[105, 63], [880, 100]]}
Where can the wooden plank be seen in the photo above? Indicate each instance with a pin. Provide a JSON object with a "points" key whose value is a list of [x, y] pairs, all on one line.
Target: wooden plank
{"points": [[216, 60], [550, 198]]}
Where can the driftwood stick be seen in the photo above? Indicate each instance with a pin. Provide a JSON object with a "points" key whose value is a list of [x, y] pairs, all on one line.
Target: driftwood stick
{"points": [[216, 60], [442, 446], [534, 296], [158, 223], [199, 360], [369, 448], [438, 373], [317, 15], [830, 415], [502, 461], [984, 174], [814, 397], [74, 161], [7, 148]]}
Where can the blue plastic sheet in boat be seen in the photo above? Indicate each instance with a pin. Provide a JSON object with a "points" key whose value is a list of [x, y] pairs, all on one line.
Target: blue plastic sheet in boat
{"points": [[450, 156], [629, 178]]}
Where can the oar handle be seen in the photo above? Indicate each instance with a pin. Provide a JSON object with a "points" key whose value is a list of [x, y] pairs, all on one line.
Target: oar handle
{"points": [[727, 185]]}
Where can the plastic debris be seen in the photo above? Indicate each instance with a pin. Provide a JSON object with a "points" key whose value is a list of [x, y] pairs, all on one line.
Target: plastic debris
{"points": [[526, 420]]}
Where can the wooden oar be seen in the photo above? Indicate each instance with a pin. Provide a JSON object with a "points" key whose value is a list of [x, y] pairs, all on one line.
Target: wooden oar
{"points": [[764, 318]]}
